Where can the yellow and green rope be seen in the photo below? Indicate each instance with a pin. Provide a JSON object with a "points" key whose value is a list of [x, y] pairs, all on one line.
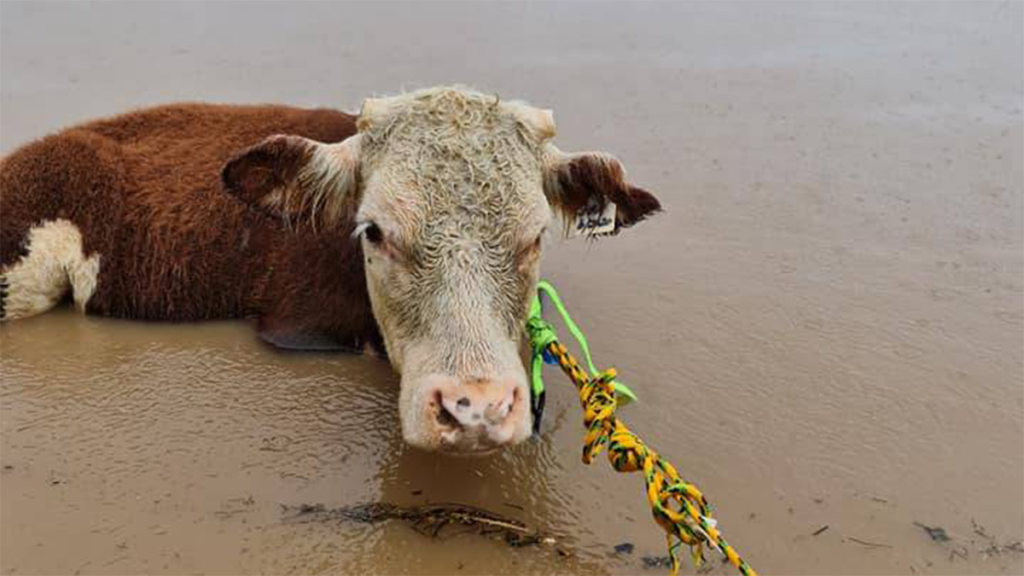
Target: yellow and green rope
{"points": [[677, 506]]}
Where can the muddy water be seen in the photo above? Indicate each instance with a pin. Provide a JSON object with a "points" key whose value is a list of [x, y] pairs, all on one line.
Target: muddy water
{"points": [[825, 328]]}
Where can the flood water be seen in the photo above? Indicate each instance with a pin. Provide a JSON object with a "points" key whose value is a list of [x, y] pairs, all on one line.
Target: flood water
{"points": [[825, 328]]}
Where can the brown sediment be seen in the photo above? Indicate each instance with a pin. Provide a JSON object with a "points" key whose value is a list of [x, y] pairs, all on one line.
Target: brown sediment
{"points": [[830, 306]]}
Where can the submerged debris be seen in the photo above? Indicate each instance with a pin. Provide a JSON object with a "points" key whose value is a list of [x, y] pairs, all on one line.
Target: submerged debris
{"points": [[428, 519], [999, 549], [934, 532], [624, 548], [868, 543], [651, 562], [994, 548], [958, 546]]}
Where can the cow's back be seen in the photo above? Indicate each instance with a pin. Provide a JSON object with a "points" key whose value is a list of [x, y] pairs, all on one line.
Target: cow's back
{"points": [[144, 191]]}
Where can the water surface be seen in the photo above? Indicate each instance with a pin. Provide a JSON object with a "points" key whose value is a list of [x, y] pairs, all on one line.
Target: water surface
{"points": [[825, 327]]}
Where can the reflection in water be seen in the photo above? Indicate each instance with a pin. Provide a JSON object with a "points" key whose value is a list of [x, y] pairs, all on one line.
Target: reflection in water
{"points": [[164, 435]]}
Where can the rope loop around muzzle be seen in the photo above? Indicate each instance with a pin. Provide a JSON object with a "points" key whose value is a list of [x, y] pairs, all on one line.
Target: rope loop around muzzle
{"points": [[677, 506]]}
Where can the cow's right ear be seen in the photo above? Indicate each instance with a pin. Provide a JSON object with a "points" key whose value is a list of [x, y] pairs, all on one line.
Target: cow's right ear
{"points": [[297, 179]]}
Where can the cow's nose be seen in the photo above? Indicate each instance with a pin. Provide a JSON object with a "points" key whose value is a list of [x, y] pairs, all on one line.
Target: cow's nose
{"points": [[478, 414]]}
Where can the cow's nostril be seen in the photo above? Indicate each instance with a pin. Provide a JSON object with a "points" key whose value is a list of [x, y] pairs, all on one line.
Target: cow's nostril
{"points": [[446, 419], [497, 412], [463, 402]]}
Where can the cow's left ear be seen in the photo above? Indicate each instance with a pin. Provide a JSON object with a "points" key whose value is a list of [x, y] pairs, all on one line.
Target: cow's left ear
{"points": [[583, 185], [297, 179]]}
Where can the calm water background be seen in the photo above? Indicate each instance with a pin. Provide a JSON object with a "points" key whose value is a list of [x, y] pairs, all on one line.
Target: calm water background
{"points": [[825, 327]]}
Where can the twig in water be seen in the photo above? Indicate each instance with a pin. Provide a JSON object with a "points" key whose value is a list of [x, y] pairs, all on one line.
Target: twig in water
{"points": [[866, 543], [428, 520]]}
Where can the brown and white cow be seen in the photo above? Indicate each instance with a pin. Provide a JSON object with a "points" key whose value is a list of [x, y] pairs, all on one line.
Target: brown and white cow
{"points": [[414, 228]]}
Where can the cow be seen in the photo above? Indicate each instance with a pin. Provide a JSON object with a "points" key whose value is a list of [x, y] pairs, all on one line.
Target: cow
{"points": [[413, 229]]}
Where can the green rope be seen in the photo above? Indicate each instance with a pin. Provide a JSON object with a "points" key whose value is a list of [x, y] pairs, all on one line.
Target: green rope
{"points": [[542, 334]]}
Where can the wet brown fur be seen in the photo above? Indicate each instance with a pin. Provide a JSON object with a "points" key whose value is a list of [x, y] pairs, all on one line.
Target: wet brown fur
{"points": [[144, 189], [574, 180]]}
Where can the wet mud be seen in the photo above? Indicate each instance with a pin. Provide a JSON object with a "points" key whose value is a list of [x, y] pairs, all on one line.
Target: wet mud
{"points": [[825, 328]]}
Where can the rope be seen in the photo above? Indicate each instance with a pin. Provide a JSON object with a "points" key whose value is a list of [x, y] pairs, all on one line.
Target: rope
{"points": [[678, 507], [541, 336]]}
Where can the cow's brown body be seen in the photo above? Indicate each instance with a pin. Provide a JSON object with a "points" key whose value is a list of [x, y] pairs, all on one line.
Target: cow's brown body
{"points": [[144, 189]]}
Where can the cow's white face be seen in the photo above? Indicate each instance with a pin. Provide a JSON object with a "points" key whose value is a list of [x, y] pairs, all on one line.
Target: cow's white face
{"points": [[451, 220], [452, 192]]}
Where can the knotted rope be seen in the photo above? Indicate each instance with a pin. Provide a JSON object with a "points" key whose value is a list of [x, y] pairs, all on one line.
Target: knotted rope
{"points": [[678, 507]]}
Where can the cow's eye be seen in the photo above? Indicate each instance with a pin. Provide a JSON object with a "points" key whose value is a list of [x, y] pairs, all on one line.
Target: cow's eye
{"points": [[529, 251], [535, 245], [373, 234]]}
